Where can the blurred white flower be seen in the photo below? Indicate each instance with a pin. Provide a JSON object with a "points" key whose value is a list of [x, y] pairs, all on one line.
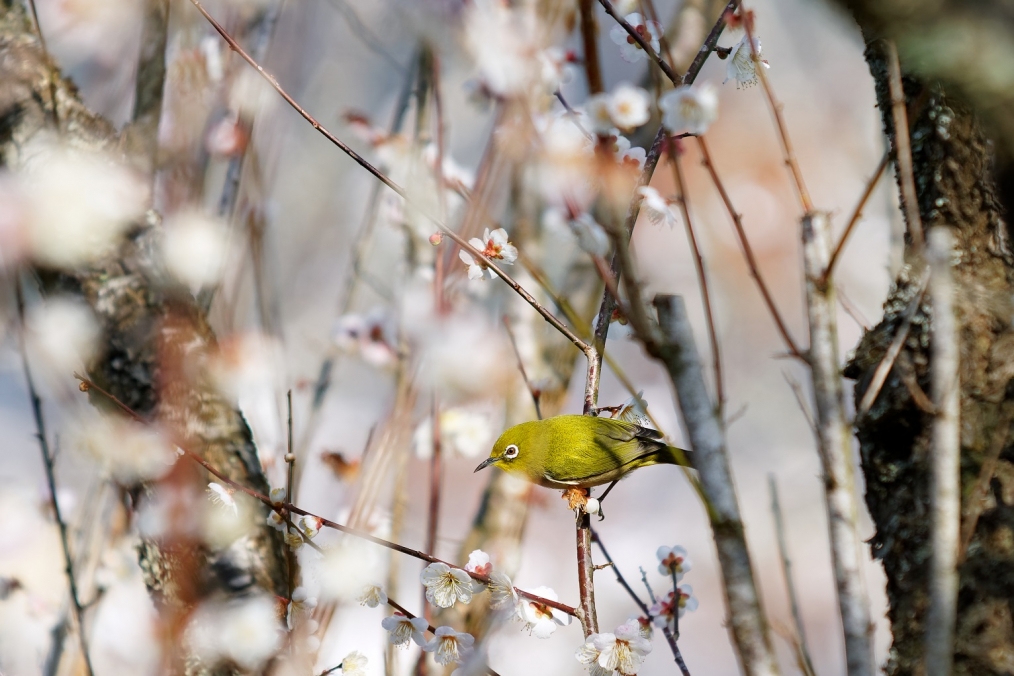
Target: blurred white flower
{"points": [[245, 364], [622, 651], [211, 48], [634, 157], [250, 94], [128, 451], [310, 525], [367, 336], [124, 636], [628, 106], [629, 49], [465, 360], [591, 236], [354, 664], [449, 646], [294, 539], [445, 586], [348, 567], [246, 632], [565, 173], [465, 432], [664, 611], [495, 246], [742, 68], [540, 619], [501, 591], [79, 204], [598, 114], [478, 562], [689, 109], [402, 629], [276, 521], [673, 560], [220, 495], [228, 137], [194, 248], [503, 40], [657, 208], [300, 607], [65, 334], [373, 595]]}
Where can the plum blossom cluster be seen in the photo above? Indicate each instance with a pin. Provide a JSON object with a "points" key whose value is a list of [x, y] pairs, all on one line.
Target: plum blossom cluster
{"points": [[630, 49], [494, 246], [674, 563], [620, 652]]}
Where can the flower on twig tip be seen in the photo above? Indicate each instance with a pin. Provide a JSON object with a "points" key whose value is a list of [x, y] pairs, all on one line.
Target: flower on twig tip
{"points": [[354, 664], [276, 521], [630, 50], [277, 496], [540, 619], [659, 209], [445, 585], [310, 525], [501, 591], [373, 595], [663, 611], [300, 607], [294, 539], [449, 646], [403, 629], [742, 65], [689, 109], [478, 562], [673, 560], [220, 495], [621, 651], [494, 246]]}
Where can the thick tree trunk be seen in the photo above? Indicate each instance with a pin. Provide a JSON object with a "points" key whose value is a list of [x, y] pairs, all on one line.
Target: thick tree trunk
{"points": [[953, 167]]}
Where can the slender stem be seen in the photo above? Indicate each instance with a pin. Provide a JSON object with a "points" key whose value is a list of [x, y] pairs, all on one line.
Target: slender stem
{"points": [[903, 148], [744, 242], [702, 277], [290, 462], [586, 575], [435, 470], [48, 464], [521, 367], [355, 532], [945, 486], [670, 639], [790, 584], [857, 213]]}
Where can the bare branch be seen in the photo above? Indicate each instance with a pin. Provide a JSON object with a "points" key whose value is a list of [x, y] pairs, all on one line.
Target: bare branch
{"points": [[945, 495], [857, 213], [903, 148]]}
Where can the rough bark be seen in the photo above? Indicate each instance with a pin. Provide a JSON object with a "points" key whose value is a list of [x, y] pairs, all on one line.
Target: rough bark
{"points": [[952, 159], [151, 337]]}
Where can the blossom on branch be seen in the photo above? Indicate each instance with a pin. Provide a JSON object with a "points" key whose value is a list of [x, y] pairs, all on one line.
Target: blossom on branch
{"points": [[403, 629], [689, 109], [673, 560], [664, 612], [501, 591], [495, 246], [449, 646], [628, 106], [354, 664], [658, 209], [445, 586], [540, 619], [373, 595], [742, 65], [478, 562], [630, 50], [621, 651]]}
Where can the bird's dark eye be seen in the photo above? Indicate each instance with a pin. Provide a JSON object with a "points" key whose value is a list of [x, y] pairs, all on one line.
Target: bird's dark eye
{"points": [[510, 452]]}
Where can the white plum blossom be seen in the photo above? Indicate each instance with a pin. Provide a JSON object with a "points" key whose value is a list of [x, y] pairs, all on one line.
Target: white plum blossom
{"points": [[742, 67], [449, 646], [350, 566], [402, 629], [277, 495], [621, 651], [246, 632], [300, 607], [276, 521], [445, 586], [354, 664], [689, 109], [129, 451], [495, 246], [540, 619], [658, 208], [478, 563], [630, 50], [501, 591], [373, 595], [628, 106], [597, 113], [294, 539], [64, 332], [673, 560], [194, 248], [466, 432], [504, 41], [665, 611], [220, 495], [634, 157], [310, 525]]}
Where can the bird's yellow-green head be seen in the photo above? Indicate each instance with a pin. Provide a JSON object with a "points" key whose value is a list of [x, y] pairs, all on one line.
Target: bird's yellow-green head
{"points": [[518, 450]]}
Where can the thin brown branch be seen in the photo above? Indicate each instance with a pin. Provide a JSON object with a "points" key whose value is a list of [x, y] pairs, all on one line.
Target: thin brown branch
{"points": [[945, 484], [702, 276], [643, 44], [790, 585], [521, 367], [903, 148], [887, 363], [744, 244], [797, 392], [857, 213], [48, 463], [783, 132], [433, 519]]}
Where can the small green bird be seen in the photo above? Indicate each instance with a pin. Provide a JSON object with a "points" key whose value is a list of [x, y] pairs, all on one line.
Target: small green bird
{"points": [[580, 451]]}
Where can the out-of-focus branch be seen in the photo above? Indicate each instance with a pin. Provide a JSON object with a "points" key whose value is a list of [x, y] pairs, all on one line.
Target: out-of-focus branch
{"points": [[142, 135], [903, 148], [857, 213], [678, 353], [945, 485], [834, 443], [589, 42]]}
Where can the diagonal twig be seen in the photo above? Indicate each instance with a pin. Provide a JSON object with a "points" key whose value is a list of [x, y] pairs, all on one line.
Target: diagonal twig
{"points": [[903, 147]]}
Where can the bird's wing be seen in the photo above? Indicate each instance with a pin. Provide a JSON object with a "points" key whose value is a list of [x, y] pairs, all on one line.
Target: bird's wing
{"points": [[608, 447]]}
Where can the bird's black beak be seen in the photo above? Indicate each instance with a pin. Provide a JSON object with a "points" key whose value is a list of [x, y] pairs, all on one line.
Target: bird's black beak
{"points": [[484, 464]]}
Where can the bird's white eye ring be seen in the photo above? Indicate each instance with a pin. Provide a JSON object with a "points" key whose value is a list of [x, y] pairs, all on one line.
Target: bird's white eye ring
{"points": [[511, 452]]}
